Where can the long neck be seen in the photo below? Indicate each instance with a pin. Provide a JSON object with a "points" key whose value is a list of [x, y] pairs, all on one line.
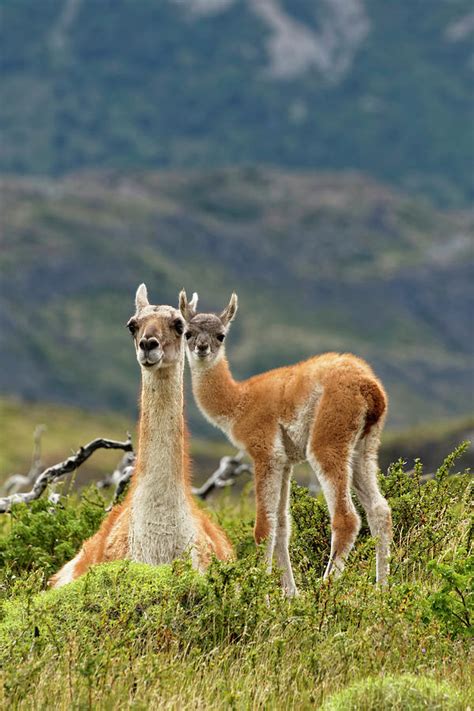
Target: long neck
{"points": [[162, 523], [161, 452], [215, 390]]}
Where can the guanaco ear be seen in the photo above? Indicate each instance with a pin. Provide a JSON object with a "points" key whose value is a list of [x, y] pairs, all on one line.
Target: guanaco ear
{"points": [[141, 298], [194, 302], [188, 309], [230, 310]]}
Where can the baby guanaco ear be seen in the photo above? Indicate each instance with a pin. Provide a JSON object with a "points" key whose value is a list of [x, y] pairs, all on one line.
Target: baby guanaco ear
{"points": [[230, 310], [188, 309], [141, 298], [193, 304]]}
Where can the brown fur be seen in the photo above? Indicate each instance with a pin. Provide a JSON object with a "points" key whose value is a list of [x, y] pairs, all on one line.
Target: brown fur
{"points": [[322, 409], [112, 540]]}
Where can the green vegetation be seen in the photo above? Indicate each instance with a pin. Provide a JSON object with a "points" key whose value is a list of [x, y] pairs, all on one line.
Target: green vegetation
{"points": [[161, 85], [130, 635], [40, 539], [396, 693]]}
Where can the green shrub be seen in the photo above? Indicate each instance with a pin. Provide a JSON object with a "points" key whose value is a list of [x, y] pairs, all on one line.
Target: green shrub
{"points": [[396, 693], [120, 601], [426, 515], [453, 603], [311, 539], [40, 537]]}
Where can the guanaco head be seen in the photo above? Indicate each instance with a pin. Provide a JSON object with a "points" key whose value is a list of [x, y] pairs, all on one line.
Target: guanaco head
{"points": [[205, 333], [157, 333]]}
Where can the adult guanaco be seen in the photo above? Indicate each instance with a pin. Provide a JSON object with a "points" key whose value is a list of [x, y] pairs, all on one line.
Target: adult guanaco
{"points": [[158, 520]]}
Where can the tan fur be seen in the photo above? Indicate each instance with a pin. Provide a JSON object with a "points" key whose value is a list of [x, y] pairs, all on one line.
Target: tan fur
{"points": [[328, 410], [159, 519]]}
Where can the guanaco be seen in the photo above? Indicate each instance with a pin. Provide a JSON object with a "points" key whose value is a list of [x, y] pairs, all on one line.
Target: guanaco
{"points": [[328, 410], [159, 519]]}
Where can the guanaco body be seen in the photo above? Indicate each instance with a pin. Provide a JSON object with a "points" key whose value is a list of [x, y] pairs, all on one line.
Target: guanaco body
{"points": [[328, 410], [158, 520]]}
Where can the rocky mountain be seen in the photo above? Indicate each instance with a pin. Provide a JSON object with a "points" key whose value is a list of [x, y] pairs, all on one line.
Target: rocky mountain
{"points": [[385, 88], [320, 262]]}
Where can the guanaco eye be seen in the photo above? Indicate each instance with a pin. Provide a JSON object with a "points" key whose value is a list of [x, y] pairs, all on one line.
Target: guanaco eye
{"points": [[179, 326], [188, 335], [220, 337], [132, 326]]}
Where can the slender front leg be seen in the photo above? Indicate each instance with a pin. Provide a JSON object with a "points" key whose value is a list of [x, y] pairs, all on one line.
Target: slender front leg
{"points": [[283, 534], [268, 484]]}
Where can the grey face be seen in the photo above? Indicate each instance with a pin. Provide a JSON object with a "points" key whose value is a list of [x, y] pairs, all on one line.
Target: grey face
{"points": [[204, 334]]}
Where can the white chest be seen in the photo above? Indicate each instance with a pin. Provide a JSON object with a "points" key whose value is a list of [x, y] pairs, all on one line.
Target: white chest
{"points": [[161, 527]]}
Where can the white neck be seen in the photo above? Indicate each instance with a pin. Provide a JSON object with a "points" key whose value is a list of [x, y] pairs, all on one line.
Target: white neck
{"points": [[160, 452], [162, 526]]}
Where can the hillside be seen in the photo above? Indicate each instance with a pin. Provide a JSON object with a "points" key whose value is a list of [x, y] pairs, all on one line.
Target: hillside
{"points": [[320, 262], [385, 88]]}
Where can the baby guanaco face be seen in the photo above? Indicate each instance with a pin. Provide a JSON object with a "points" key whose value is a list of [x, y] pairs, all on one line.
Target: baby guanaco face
{"points": [[204, 336], [205, 333], [157, 333]]}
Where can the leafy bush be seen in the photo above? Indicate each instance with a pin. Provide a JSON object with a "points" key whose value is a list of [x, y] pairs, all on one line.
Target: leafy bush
{"points": [[453, 603], [41, 537], [122, 600], [311, 539], [396, 693]]}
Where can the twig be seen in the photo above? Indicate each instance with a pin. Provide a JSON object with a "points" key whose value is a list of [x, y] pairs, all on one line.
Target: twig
{"points": [[18, 481], [225, 475], [120, 477], [127, 462], [229, 469], [55, 472]]}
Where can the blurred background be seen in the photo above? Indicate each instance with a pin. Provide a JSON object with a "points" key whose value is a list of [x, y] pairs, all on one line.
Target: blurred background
{"points": [[316, 156]]}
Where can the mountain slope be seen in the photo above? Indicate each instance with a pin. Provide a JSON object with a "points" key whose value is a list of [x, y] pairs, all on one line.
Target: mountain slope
{"points": [[385, 88], [320, 262]]}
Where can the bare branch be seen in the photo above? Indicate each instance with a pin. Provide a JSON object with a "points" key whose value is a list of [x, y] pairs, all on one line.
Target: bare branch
{"points": [[225, 475], [229, 469], [51, 474], [120, 477], [127, 461], [19, 481]]}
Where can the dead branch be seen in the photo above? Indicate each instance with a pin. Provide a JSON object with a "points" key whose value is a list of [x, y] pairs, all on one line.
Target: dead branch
{"points": [[225, 475], [120, 477], [229, 469], [127, 462], [19, 481], [51, 474]]}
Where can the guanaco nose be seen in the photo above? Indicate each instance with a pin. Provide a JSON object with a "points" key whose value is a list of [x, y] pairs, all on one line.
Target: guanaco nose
{"points": [[148, 344], [202, 347]]}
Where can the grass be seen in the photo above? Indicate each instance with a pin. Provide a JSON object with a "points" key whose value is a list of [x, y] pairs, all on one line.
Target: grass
{"points": [[128, 635]]}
